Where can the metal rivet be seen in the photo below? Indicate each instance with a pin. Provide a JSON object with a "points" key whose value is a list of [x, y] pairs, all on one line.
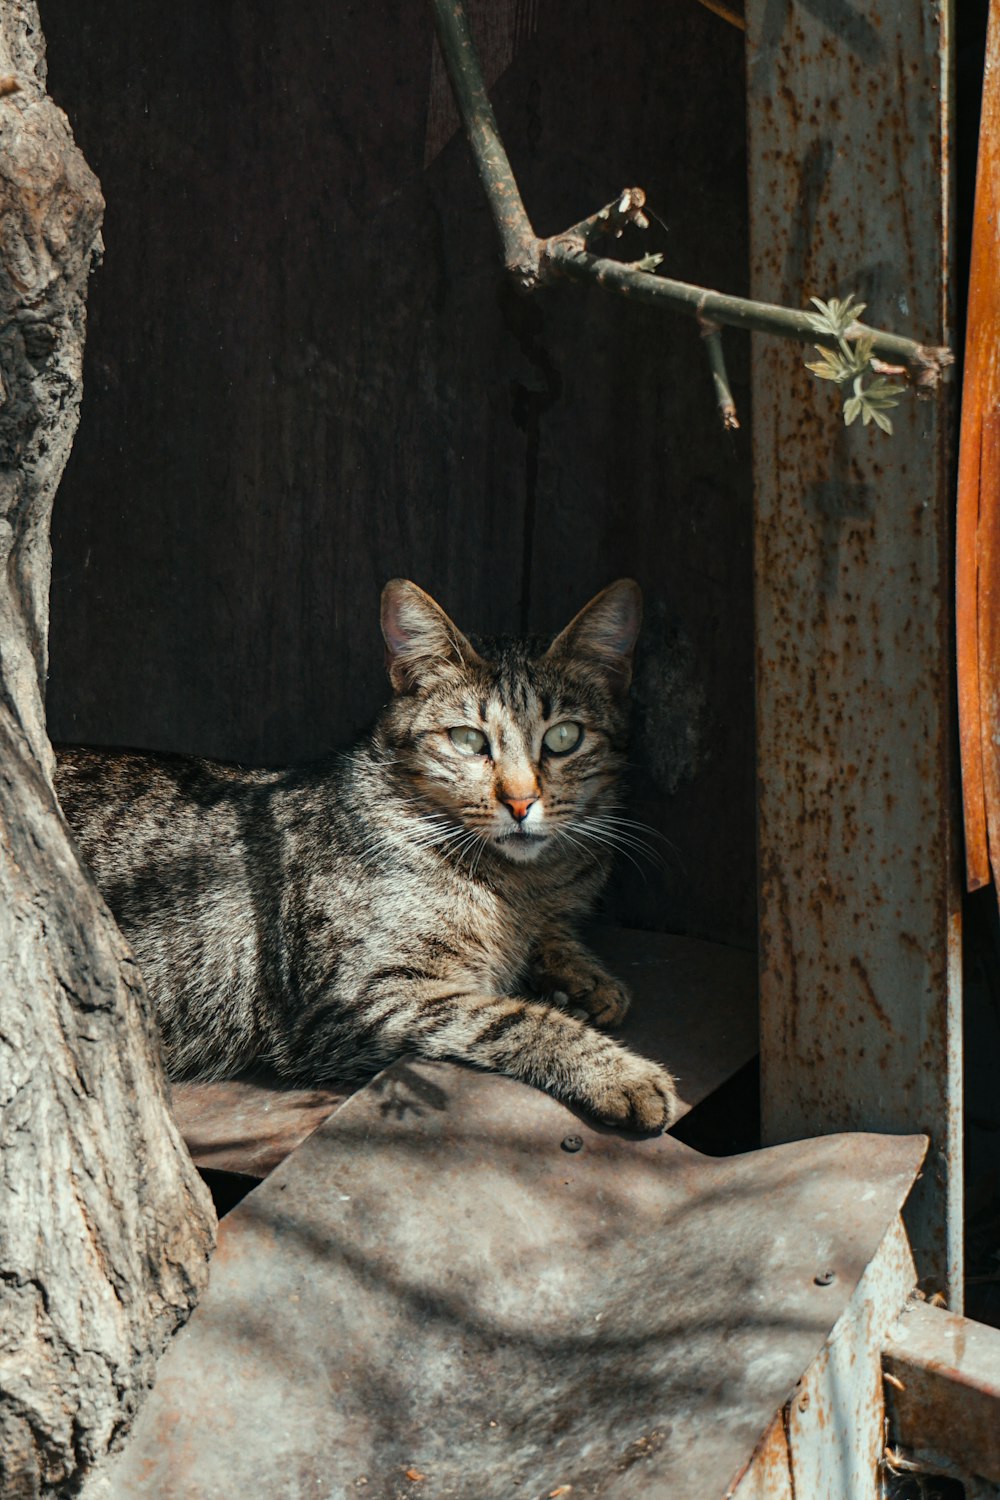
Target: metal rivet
{"points": [[572, 1142], [825, 1278]]}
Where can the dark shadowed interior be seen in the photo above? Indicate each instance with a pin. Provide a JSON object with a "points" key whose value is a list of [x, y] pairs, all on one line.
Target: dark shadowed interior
{"points": [[305, 374]]}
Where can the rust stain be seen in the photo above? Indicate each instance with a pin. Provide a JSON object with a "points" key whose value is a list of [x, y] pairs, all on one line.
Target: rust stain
{"points": [[870, 995]]}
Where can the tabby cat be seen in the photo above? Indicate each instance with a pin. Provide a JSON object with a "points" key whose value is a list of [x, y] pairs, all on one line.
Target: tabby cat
{"points": [[417, 894]]}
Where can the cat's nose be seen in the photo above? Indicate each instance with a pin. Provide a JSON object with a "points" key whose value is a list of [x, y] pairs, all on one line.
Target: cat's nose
{"points": [[518, 806]]}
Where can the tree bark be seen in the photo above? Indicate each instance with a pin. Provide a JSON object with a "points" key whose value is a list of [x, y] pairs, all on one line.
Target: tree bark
{"points": [[105, 1227]]}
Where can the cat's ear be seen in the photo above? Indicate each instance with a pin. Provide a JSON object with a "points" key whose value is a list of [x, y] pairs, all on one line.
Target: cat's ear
{"points": [[604, 633], [419, 637]]}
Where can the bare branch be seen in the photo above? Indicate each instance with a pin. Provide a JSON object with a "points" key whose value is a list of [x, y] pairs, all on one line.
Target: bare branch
{"points": [[521, 247], [924, 364], [533, 261]]}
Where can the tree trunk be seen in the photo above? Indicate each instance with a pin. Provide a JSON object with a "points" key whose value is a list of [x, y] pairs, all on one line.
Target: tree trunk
{"points": [[105, 1227]]}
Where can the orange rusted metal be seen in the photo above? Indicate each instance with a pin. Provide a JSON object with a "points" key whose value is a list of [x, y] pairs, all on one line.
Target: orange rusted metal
{"points": [[988, 581], [978, 545]]}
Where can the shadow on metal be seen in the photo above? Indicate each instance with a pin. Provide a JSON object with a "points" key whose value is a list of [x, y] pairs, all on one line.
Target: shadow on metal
{"points": [[456, 1288]]}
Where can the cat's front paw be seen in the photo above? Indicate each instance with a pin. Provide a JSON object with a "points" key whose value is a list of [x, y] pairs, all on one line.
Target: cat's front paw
{"points": [[635, 1094]]}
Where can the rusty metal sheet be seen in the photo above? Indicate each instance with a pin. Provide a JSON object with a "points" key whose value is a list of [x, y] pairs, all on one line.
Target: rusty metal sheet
{"points": [[249, 1124], [943, 1388], [836, 1419], [695, 1010], [458, 1279], [829, 1439], [857, 833], [769, 1476]]}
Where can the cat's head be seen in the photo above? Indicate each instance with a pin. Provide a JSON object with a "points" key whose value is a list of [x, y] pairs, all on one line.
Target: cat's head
{"points": [[515, 745]]}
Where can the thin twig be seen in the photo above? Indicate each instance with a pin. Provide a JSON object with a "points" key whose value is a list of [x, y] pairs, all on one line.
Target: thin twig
{"points": [[712, 334], [924, 364], [533, 261], [609, 220]]}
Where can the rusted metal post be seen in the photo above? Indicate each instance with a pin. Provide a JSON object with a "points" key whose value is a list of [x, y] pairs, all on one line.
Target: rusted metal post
{"points": [[860, 975]]}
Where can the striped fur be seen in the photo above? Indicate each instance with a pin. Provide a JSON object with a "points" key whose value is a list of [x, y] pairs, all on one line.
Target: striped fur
{"points": [[402, 897]]}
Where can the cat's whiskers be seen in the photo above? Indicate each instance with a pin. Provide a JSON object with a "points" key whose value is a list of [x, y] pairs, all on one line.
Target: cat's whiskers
{"points": [[615, 829], [614, 842], [467, 845], [564, 833], [483, 845], [436, 829], [444, 832], [438, 839], [623, 841], [435, 822], [644, 831]]}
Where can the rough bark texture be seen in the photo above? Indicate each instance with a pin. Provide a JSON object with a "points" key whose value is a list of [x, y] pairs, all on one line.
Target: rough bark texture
{"points": [[104, 1225]]}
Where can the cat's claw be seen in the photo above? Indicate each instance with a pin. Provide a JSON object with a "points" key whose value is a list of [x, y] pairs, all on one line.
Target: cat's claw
{"points": [[607, 1003], [560, 998], [593, 996]]}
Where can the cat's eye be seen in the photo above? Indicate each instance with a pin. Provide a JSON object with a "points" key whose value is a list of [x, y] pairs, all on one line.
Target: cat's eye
{"points": [[562, 738], [470, 741]]}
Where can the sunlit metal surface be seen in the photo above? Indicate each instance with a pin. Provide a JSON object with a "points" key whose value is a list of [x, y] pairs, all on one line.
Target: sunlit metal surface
{"points": [[829, 1439], [433, 1285]]}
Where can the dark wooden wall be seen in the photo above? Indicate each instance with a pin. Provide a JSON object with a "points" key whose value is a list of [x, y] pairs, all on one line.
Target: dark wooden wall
{"points": [[305, 374]]}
